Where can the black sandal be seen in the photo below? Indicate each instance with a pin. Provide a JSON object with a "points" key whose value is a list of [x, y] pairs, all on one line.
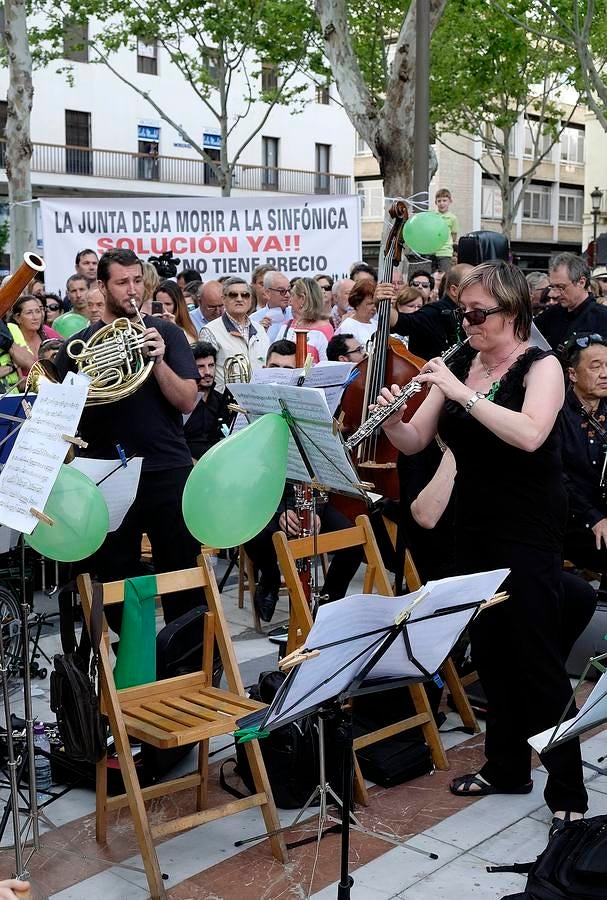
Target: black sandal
{"points": [[462, 787]]}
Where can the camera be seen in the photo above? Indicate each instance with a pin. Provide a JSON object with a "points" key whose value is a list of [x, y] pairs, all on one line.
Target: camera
{"points": [[165, 264]]}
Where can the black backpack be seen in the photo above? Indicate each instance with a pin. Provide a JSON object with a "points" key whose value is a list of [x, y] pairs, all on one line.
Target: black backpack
{"points": [[290, 754], [572, 867], [74, 685]]}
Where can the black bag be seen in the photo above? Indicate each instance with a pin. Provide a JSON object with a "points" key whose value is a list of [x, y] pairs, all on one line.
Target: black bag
{"points": [[74, 685], [394, 760], [290, 754], [572, 867], [179, 646], [482, 246]]}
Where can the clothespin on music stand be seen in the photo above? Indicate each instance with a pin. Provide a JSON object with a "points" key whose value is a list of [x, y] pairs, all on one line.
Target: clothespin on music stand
{"points": [[405, 614], [296, 658], [76, 441], [27, 408], [492, 601], [42, 517]]}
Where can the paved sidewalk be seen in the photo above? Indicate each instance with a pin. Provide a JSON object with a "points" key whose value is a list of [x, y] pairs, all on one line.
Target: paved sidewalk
{"points": [[204, 864]]}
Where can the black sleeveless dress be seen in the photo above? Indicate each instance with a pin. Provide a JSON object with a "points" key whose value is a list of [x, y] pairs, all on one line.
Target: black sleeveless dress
{"points": [[511, 512]]}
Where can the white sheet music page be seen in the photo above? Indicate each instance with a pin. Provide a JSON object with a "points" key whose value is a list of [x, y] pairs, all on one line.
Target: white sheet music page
{"points": [[357, 625], [32, 468], [592, 713], [309, 409], [119, 489]]}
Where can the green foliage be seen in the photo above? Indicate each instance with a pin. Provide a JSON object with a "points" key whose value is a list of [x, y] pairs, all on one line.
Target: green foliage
{"points": [[485, 70], [194, 33], [373, 28]]}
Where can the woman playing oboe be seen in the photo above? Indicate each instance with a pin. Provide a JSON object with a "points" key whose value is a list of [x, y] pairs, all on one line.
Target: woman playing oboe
{"points": [[496, 410]]}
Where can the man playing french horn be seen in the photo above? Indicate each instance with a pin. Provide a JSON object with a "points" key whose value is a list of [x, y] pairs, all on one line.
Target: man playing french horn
{"points": [[146, 422]]}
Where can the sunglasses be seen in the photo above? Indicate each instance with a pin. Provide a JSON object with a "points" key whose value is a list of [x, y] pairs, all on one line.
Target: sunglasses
{"points": [[359, 349], [420, 284], [585, 341], [53, 307], [325, 287], [233, 295], [477, 316]]}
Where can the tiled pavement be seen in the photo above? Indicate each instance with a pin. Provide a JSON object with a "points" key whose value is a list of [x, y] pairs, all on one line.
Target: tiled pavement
{"points": [[203, 864]]}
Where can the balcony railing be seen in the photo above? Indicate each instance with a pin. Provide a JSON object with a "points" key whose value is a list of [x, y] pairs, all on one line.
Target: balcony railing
{"points": [[57, 159]]}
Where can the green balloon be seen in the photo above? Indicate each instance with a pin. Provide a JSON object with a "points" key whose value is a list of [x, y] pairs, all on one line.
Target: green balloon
{"points": [[234, 490], [69, 323], [81, 518], [426, 232]]}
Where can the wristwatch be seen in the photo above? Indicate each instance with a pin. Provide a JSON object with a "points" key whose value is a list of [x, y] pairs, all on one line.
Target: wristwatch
{"points": [[476, 396]]}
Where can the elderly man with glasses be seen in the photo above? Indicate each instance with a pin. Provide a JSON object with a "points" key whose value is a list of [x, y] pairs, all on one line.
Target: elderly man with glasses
{"points": [[233, 333], [276, 312], [583, 426], [576, 310]]}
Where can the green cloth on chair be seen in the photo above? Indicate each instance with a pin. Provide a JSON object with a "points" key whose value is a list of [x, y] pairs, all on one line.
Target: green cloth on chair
{"points": [[136, 660]]}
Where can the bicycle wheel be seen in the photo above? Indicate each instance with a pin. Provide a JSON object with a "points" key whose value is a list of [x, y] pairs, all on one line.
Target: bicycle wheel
{"points": [[10, 627]]}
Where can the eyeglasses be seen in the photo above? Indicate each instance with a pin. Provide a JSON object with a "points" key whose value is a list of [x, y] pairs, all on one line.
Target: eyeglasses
{"points": [[559, 288], [359, 349], [284, 292], [53, 307], [477, 316], [585, 341], [233, 295], [420, 284]]}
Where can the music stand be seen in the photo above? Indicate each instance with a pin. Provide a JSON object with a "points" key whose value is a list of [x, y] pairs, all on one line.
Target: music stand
{"points": [[592, 713], [356, 646]]}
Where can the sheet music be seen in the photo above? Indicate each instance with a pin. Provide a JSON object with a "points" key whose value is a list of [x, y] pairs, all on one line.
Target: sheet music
{"points": [[592, 713], [330, 376], [119, 490], [309, 408], [33, 465], [348, 623]]}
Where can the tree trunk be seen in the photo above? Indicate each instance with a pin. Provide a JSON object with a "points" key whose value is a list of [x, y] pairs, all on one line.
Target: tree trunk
{"points": [[18, 142], [396, 166]]}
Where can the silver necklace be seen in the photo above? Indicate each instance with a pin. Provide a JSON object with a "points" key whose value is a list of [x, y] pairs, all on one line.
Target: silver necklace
{"points": [[489, 370]]}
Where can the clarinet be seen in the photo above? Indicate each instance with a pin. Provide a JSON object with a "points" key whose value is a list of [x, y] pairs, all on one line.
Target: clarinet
{"points": [[381, 413]]}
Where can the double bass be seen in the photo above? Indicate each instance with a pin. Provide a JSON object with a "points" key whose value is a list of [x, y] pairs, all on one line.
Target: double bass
{"points": [[388, 362]]}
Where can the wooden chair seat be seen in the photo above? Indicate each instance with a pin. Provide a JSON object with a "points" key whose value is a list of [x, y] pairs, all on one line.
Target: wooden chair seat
{"points": [[177, 712], [182, 713]]}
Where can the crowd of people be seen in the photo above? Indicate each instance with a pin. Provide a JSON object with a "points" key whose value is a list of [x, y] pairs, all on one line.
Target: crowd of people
{"points": [[505, 458]]}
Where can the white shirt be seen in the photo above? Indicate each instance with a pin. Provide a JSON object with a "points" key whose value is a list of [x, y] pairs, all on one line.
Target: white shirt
{"points": [[362, 331], [278, 316]]}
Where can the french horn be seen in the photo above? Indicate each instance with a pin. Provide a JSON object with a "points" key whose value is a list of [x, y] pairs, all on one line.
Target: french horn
{"points": [[113, 360]]}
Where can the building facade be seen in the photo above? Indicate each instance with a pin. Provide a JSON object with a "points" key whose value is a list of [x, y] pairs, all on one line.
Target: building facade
{"points": [[550, 217], [95, 136]]}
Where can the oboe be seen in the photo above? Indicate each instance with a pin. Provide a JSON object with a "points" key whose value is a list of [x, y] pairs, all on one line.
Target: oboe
{"points": [[381, 413]]}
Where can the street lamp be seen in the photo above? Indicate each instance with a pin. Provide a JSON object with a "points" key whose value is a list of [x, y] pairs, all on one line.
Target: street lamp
{"points": [[596, 196]]}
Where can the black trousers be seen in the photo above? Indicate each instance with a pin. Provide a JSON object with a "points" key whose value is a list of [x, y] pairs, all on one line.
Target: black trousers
{"points": [[342, 569], [157, 512], [518, 650]]}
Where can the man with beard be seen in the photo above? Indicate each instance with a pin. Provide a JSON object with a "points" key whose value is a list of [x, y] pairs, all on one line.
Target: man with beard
{"points": [[148, 423], [203, 428]]}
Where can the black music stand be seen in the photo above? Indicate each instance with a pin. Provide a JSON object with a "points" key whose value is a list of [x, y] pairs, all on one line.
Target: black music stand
{"points": [[384, 645]]}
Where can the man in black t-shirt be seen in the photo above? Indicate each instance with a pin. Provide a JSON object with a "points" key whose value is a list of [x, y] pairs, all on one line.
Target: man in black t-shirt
{"points": [[148, 423], [203, 428]]}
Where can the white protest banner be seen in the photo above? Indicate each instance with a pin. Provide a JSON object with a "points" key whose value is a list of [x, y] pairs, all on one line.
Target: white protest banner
{"points": [[217, 236]]}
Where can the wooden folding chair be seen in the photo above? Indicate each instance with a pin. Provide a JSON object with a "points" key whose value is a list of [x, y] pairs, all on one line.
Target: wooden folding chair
{"points": [[300, 623], [172, 713]]}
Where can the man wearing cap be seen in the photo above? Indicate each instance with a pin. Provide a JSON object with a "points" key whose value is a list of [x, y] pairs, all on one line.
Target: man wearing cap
{"points": [[577, 311]]}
